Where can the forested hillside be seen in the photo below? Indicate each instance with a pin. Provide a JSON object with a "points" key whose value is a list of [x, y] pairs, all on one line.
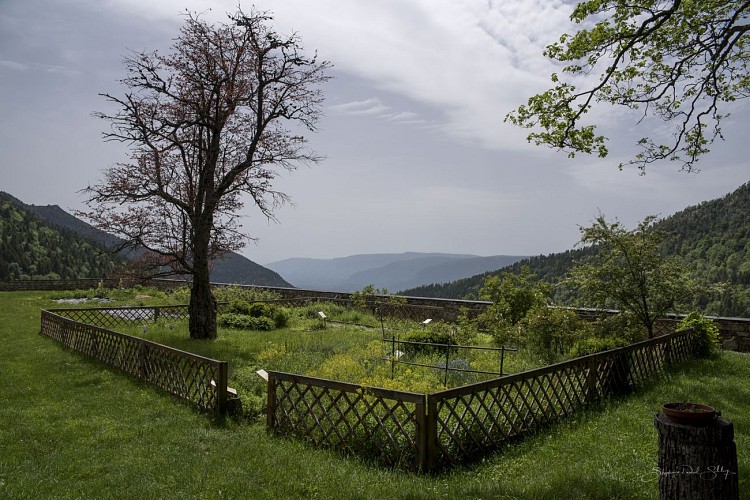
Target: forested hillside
{"points": [[232, 268], [33, 249], [712, 240]]}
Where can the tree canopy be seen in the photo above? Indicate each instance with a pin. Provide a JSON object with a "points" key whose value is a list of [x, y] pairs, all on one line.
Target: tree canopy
{"points": [[682, 61], [629, 271], [209, 125]]}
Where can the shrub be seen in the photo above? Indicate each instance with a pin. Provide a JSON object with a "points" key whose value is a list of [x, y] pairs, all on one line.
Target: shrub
{"points": [[257, 311], [505, 335], [435, 333], [353, 365], [591, 345], [550, 333], [280, 317], [512, 296], [239, 307], [260, 309], [705, 334], [624, 325], [251, 390], [245, 322]]}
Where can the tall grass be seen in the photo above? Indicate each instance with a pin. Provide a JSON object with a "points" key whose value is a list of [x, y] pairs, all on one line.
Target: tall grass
{"points": [[72, 428]]}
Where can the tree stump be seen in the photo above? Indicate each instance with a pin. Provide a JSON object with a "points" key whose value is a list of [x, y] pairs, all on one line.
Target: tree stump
{"points": [[697, 461]]}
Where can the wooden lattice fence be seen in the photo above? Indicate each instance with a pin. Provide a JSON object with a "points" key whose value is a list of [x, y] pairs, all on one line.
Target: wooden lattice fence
{"points": [[471, 420], [428, 432], [197, 379], [382, 424]]}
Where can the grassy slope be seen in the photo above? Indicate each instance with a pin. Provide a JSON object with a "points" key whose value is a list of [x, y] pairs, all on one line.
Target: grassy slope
{"points": [[71, 428]]}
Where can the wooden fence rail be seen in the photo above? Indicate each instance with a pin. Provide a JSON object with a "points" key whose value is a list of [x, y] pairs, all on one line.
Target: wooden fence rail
{"points": [[467, 421], [432, 431], [197, 379], [382, 424]]}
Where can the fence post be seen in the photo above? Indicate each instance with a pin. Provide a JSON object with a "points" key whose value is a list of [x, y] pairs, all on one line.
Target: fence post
{"points": [[142, 361], [447, 360], [592, 394], [95, 344], [221, 387], [393, 354], [421, 437], [430, 439], [271, 401]]}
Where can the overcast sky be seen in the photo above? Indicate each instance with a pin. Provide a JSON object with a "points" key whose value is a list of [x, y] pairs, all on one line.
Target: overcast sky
{"points": [[417, 155]]}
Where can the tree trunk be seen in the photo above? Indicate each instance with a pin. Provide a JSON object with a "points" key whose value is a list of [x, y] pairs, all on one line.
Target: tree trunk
{"points": [[697, 461], [202, 307]]}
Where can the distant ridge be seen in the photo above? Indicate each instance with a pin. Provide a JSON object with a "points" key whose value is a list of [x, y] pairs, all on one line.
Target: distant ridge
{"points": [[392, 271], [712, 239], [232, 268]]}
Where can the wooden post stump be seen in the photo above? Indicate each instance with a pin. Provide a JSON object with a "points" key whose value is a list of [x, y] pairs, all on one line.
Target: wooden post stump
{"points": [[697, 461]]}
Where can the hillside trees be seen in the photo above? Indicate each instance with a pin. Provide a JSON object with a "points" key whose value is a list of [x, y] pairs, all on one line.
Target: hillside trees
{"points": [[31, 249], [684, 62], [215, 120], [629, 271]]}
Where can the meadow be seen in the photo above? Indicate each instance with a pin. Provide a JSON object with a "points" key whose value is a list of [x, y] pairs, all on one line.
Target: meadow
{"points": [[73, 428]]}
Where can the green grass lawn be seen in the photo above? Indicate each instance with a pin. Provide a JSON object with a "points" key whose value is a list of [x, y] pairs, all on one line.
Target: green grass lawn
{"points": [[72, 428]]}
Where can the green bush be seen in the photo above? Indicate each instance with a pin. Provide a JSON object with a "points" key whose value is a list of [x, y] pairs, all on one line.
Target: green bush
{"points": [[239, 307], [705, 334], [245, 322], [280, 317], [591, 345], [550, 332], [624, 325], [260, 309], [331, 309], [251, 390], [257, 310], [435, 333]]}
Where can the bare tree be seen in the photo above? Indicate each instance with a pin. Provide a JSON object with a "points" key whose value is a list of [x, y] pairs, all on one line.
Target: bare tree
{"points": [[207, 125]]}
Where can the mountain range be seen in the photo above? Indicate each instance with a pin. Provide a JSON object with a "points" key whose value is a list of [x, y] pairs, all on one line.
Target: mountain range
{"points": [[391, 271], [711, 240], [232, 268]]}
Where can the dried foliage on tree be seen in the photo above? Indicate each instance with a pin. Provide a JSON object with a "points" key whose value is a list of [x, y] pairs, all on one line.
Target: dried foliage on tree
{"points": [[210, 126], [684, 62]]}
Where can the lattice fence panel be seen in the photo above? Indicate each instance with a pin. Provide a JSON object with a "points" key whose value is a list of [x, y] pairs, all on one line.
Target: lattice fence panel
{"points": [[479, 421], [474, 419], [110, 317], [184, 376], [194, 378], [383, 425]]}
